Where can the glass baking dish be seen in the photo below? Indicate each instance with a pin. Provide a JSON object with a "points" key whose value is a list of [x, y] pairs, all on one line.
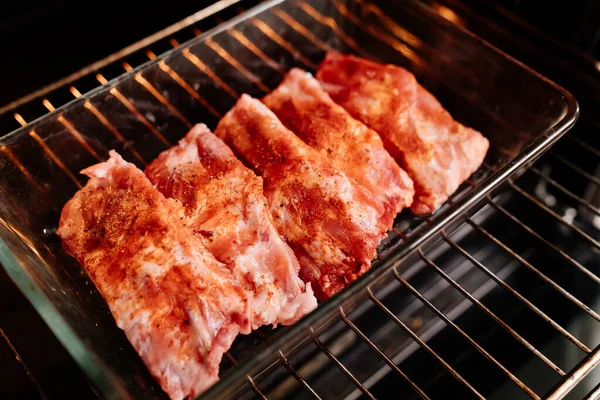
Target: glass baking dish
{"points": [[142, 112]]}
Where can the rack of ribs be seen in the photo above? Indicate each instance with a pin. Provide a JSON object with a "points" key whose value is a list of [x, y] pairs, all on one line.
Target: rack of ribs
{"points": [[307, 110], [332, 224], [179, 307], [437, 152], [224, 201]]}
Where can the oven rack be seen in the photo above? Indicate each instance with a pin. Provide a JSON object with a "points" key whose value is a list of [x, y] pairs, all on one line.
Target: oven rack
{"points": [[418, 330]]}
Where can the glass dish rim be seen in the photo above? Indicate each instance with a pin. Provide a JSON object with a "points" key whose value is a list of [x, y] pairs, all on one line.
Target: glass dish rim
{"points": [[95, 368]]}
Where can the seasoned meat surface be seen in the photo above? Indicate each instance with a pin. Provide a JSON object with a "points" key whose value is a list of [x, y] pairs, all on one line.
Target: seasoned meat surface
{"points": [[224, 202], [179, 307], [437, 152], [308, 111], [332, 224]]}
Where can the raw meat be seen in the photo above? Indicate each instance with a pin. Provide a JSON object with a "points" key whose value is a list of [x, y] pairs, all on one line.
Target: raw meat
{"points": [[224, 202], [437, 152], [332, 224], [179, 307], [305, 108]]}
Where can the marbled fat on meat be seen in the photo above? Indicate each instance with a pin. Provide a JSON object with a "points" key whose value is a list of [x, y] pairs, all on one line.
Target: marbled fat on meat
{"points": [[437, 152], [307, 110], [332, 224], [179, 307], [224, 201]]}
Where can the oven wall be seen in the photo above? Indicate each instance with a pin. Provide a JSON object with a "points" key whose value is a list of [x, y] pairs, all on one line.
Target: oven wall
{"points": [[43, 41]]}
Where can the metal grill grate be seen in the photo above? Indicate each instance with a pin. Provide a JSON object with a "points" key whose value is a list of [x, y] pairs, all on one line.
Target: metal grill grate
{"points": [[392, 332], [565, 376]]}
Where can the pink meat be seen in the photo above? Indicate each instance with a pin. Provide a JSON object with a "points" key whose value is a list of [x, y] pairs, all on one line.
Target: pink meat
{"points": [[180, 308], [437, 152], [224, 202]]}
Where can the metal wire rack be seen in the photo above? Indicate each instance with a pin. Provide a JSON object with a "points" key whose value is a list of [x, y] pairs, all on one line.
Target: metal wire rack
{"points": [[565, 377], [393, 330]]}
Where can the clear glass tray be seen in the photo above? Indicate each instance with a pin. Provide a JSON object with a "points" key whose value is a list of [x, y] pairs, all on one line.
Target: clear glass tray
{"points": [[151, 107]]}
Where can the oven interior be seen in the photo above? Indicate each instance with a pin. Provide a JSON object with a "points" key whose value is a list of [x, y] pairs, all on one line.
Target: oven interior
{"points": [[504, 306]]}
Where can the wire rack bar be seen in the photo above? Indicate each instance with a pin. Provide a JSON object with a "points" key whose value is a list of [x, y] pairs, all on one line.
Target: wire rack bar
{"points": [[564, 255], [576, 168], [26, 369], [490, 313], [292, 23], [421, 343], [594, 394], [575, 376], [176, 27], [564, 190], [516, 294], [341, 366], [255, 388], [583, 144], [451, 323], [554, 215], [381, 354], [536, 271], [297, 376], [236, 64]]}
